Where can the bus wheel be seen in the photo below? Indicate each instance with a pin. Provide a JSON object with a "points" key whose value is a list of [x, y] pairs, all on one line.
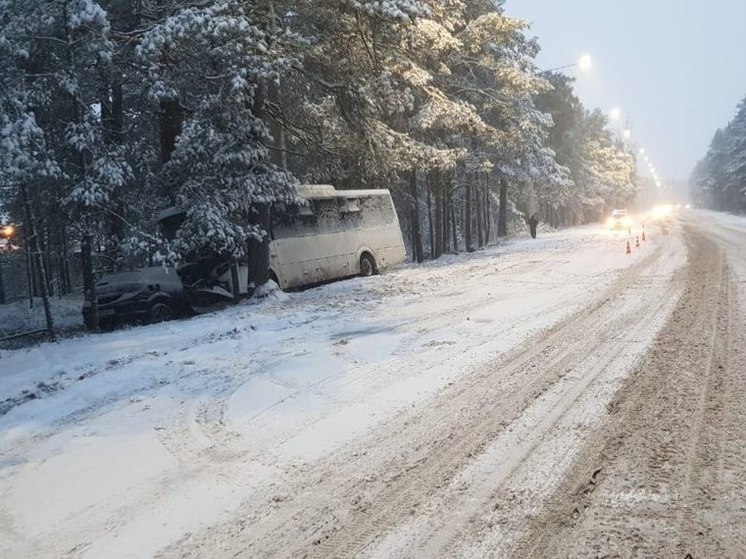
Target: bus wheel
{"points": [[367, 265]]}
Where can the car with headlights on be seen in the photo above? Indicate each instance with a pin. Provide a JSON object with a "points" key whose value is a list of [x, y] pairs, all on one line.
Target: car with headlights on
{"points": [[619, 220]]}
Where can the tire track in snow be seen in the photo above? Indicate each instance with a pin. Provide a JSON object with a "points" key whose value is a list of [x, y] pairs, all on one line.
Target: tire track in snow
{"points": [[674, 448], [433, 449]]}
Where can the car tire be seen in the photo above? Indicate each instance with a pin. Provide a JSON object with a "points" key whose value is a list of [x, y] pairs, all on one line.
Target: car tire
{"points": [[367, 266], [160, 313]]}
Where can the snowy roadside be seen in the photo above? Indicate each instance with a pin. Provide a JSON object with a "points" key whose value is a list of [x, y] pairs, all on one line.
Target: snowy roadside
{"points": [[18, 317], [274, 314], [721, 219], [131, 427]]}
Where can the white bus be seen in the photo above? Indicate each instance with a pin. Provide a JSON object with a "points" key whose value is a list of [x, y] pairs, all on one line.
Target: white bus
{"points": [[340, 233], [337, 234]]}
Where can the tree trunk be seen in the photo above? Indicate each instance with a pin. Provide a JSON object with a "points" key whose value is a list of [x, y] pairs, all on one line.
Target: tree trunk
{"points": [[452, 247], [430, 220], [170, 119], [436, 185], [467, 217], [440, 216], [2, 284], [89, 282], [45, 250], [454, 228], [502, 217], [34, 270], [60, 264], [261, 215], [414, 244], [29, 267], [279, 154], [65, 263], [487, 216], [480, 218], [36, 248], [418, 255], [258, 250], [112, 112], [447, 201], [117, 109], [235, 283]]}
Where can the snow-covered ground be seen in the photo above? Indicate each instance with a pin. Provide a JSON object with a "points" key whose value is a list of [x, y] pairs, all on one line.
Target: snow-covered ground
{"points": [[737, 222], [119, 444], [18, 316]]}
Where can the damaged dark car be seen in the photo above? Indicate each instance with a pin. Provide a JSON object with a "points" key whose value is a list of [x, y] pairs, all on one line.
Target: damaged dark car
{"points": [[143, 296], [159, 293]]}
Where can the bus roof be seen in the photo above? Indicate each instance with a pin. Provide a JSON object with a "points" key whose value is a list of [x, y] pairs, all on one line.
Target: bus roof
{"points": [[307, 191], [318, 191]]}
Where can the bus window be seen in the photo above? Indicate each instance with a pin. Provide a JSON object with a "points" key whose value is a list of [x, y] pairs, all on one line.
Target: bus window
{"points": [[349, 205], [281, 222], [329, 216], [377, 211], [305, 220]]}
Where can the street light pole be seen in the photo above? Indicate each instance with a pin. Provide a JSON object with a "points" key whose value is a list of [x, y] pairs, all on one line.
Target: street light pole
{"points": [[585, 63], [568, 66]]}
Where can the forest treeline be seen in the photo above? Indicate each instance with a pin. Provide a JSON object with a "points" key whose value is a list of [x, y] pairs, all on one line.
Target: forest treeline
{"points": [[719, 179], [111, 111]]}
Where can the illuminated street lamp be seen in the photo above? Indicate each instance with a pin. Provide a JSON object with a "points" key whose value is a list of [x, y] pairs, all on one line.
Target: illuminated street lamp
{"points": [[585, 63], [7, 231], [627, 134], [615, 114], [6, 234]]}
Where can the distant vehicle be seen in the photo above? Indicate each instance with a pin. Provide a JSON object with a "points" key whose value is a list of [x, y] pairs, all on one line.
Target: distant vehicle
{"points": [[147, 295], [619, 220], [663, 211]]}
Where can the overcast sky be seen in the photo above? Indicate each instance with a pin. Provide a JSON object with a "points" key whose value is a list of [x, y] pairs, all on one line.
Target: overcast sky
{"points": [[677, 69]]}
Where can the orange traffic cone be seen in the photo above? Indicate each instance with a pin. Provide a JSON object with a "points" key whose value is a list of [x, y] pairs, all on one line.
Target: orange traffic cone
{"points": [[629, 248], [637, 243]]}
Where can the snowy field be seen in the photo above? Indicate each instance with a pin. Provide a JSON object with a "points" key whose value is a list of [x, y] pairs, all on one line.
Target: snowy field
{"points": [[119, 444]]}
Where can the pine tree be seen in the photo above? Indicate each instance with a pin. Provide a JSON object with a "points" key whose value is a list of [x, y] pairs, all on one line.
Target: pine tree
{"points": [[213, 62]]}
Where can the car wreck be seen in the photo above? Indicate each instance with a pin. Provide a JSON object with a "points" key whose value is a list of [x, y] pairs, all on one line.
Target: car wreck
{"points": [[337, 234]]}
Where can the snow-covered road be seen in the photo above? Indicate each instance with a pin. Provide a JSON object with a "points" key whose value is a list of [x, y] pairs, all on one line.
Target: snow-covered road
{"points": [[373, 416]]}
